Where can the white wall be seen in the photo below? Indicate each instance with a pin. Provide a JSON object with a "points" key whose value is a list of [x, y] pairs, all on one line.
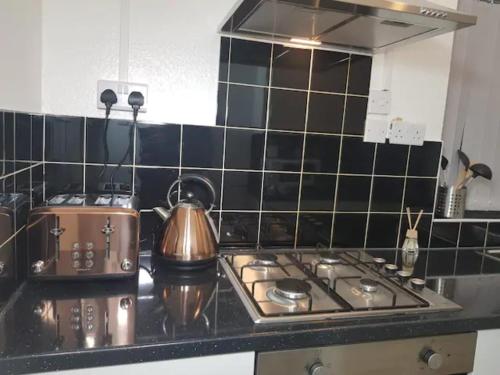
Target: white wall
{"points": [[173, 46], [417, 75], [20, 55]]}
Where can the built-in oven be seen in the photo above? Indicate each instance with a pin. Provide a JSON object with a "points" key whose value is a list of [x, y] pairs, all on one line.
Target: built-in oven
{"points": [[438, 355]]}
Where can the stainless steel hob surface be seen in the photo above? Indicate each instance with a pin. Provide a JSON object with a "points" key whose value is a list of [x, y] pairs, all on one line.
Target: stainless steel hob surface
{"points": [[289, 286]]}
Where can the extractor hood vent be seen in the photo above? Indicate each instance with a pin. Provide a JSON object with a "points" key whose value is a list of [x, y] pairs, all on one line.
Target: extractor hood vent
{"points": [[366, 26]]}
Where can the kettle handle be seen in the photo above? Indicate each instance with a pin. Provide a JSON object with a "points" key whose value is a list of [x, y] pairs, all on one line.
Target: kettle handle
{"points": [[194, 177]]}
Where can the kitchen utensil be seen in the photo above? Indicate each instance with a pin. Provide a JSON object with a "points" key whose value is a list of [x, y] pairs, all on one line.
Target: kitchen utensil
{"points": [[84, 236], [444, 165], [451, 202], [477, 170], [188, 236], [464, 159]]}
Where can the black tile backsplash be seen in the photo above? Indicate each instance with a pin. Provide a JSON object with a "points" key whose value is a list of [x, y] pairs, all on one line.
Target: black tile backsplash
{"points": [[287, 158], [284, 151], [64, 139], [250, 62], [291, 67], [202, 146], [244, 149], [326, 113], [242, 190], [287, 110], [357, 156], [246, 106], [321, 153], [329, 71], [118, 134], [280, 192]]}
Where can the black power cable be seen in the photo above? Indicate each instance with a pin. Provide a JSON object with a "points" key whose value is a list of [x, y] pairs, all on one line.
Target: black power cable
{"points": [[108, 98], [136, 101]]}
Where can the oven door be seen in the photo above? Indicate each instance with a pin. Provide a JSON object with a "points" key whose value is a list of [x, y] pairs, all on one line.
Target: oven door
{"points": [[439, 355]]}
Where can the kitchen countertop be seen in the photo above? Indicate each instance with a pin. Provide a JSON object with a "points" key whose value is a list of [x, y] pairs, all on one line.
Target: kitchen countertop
{"points": [[154, 327]]}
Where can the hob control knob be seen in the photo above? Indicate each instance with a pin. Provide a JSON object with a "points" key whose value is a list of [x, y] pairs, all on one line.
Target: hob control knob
{"points": [[318, 369], [433, 360]]}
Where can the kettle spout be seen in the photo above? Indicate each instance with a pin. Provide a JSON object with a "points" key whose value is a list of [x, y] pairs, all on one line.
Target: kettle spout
{"points": [[162, 212]]}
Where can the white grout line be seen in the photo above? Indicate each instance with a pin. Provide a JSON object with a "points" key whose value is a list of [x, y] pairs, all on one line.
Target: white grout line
{"points": [[456, 248], [287, 131], [43, 159], [294, 89], [485, 243], [268, 111], [304, 141], [335, 194], [371, 195], [84, 154], [225, 134], [403, 201]]}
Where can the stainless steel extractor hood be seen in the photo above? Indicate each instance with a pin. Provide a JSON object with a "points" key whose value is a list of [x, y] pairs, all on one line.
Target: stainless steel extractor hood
{"points": [[367, 26]]}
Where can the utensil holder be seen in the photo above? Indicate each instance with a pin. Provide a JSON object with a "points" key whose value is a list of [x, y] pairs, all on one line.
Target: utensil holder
{"points": [[451, 202]]}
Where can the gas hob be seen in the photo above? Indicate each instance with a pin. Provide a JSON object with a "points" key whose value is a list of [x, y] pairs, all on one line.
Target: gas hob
{"points": [[288, 286]]}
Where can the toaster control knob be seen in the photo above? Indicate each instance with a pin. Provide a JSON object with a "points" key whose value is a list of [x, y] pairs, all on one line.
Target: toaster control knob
{"points": [[2, 268], [89, 245], [125, 303], [127, 265], [89, 263], [38, 266]]}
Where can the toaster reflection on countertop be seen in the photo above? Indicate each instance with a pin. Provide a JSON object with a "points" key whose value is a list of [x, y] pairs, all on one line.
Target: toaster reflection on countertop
{"points": [[70, 316]]}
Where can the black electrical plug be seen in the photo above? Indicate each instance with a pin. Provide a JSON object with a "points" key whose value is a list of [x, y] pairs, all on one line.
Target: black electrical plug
{"points": [[108, 98], [136, 101]]}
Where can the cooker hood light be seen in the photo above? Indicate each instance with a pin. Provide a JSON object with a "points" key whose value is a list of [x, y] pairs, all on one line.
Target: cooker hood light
{"points": [[308, 42]]}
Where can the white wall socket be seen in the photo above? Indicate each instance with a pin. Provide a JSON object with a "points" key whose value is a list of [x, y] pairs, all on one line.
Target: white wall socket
{"points": [[122, 90], [379, 102], [375, 129], [406, 133]]}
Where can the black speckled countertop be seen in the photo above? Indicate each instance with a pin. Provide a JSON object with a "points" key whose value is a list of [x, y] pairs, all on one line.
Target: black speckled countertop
{"points": [[42, 327]]}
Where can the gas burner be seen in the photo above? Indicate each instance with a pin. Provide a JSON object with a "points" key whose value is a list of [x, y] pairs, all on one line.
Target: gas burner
{"points": [[264, 260], [368, 285], [292, 288], [328, 257]]}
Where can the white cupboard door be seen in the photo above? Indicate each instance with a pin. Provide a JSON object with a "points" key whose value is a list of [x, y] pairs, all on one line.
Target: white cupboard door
{"points": [[227, 364]]}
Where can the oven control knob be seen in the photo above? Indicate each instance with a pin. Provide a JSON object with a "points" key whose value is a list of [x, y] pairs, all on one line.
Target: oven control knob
{"points": [[433, 360], [318, 369]]}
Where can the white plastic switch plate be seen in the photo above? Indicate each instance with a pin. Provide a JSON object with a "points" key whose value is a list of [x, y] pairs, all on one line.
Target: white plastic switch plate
{"points": [[406, 133], [379, 102], [375, 130], [122, 90]]}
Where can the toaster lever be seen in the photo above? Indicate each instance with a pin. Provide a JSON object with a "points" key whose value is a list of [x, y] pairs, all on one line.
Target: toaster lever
{"points": [[108, 229], [57, 231]]}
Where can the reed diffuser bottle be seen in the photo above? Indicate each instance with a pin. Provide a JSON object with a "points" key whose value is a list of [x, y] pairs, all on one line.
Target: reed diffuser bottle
{"points": [[410, 246]]}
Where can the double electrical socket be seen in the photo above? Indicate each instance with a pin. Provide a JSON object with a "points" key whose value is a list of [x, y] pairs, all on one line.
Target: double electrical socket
{"points": [[122, 90], [406, 133]]}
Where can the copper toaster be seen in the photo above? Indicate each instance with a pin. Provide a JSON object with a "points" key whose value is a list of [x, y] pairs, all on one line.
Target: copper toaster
{"points": [[84, 236]]}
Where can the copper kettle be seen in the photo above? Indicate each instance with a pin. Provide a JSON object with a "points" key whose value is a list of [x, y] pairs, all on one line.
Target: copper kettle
{"points": [[188, 237]]}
